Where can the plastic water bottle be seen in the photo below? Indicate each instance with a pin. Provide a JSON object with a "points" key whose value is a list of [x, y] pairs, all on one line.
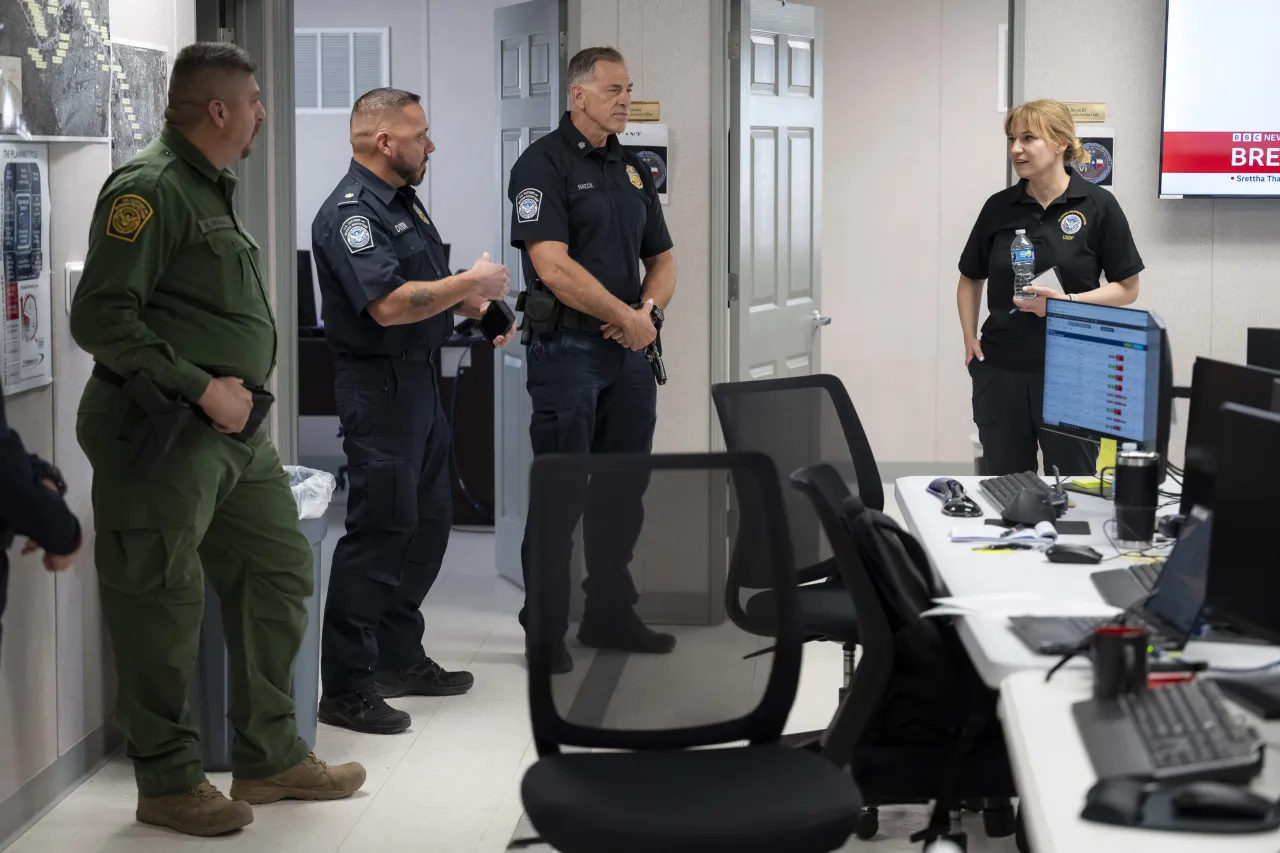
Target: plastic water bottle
{"points": [[1024, 264]]}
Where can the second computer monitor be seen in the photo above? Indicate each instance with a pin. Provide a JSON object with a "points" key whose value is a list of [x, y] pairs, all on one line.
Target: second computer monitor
{"points": [[1108, 373], [1212, 384]]}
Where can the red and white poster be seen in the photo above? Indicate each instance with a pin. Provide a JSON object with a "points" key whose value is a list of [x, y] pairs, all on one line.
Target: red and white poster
{"points": [[1221, 134]]}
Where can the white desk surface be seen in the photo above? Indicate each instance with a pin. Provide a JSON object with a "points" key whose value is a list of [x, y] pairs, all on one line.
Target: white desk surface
{"points": [[995, 651], [1053, 775], [1050, 764]]}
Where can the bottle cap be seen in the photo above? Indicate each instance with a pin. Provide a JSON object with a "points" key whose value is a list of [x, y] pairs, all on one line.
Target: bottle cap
{"points": [[1020, 231]]}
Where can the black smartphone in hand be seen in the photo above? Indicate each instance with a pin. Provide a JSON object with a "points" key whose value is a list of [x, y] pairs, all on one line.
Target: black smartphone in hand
{"points": [[497, 320]]}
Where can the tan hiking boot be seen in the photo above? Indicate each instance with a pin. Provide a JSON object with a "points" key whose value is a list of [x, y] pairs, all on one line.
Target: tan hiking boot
{"points": [[310, 780], [202, 811]]}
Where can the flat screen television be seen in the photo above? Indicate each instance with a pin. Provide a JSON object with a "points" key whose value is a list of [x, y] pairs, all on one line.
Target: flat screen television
{"points": [[1220, 133]]}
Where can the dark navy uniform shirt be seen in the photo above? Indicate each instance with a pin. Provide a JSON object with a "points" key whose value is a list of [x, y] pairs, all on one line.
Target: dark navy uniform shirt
{"points": [[601, 202], [1083, 233], [369, 238]]}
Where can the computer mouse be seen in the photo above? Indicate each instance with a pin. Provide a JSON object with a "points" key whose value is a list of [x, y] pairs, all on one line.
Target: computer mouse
{"points": [[955, 502], [1029, 507], [1218, 800], [1115, 801], [1061, 553]]}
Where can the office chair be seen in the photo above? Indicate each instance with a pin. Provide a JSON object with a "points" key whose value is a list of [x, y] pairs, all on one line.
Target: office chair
{"points": [[655, 788], [917, 724], [798, 422]]}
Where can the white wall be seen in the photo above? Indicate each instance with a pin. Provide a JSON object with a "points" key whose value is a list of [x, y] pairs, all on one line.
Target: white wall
{"points": [[1212, 266], [55, 673]]}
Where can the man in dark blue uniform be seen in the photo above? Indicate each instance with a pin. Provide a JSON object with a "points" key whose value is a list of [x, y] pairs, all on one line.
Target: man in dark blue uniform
{"points": [[586, 213], [388, 306], [31, 505]]}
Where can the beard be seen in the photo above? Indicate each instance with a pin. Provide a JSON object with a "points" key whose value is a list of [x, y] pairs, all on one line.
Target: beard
{"points": [[412, 174], [248, 149]]}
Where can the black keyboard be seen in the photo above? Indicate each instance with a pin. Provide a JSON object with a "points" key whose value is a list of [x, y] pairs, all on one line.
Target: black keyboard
{"points": [[1002, 490], [1178, 732], [1147, 574]]}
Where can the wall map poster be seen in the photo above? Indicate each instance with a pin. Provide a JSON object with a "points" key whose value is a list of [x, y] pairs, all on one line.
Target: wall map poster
{"points": [[24, 245], [139, 93], [54, 69]]}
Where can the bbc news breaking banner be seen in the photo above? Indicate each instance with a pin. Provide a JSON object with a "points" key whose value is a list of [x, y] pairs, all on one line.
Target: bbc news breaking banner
{"points": [[1220, 163]]}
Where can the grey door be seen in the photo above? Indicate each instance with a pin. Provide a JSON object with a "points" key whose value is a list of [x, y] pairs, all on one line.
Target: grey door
{"points": [[531, 98], [775, 184]]}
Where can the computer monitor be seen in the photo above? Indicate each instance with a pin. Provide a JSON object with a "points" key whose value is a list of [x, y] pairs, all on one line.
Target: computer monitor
{"points": [[1178, 599], [1262, 348], [1108, 373], [1212, 384], [1242, 591]]}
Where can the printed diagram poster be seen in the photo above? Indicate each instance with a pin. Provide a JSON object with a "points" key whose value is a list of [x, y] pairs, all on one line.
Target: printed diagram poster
{"points": [[649, 142], [1100, 144], [24, 218]]}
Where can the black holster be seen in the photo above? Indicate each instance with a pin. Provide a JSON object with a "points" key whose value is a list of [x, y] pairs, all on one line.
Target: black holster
{"points": [[541, 311], [163, 420]]}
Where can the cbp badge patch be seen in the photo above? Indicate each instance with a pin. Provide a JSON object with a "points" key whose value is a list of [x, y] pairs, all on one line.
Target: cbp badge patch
{"points": [[529, 205], [357, 234], [128, 214], [1071, 222], [635, 177]]}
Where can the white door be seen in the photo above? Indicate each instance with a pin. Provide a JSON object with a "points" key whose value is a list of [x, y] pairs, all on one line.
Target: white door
{"points": [[531, 99], [775, 182]]}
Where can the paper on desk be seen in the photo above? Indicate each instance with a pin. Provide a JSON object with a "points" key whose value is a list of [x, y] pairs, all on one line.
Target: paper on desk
{"points": [[1002, 605], [1043, 532]]}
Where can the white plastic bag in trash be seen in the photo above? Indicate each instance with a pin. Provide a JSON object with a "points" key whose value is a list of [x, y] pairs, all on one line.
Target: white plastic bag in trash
{"points": [[312, 490]]}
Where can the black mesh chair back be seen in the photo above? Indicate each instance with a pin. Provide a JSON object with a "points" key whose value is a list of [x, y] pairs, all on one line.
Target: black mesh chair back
{"points": [[681, 751], [643, 522]]}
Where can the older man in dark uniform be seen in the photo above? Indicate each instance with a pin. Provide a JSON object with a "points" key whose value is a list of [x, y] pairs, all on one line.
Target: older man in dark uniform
{"points": [[586, 213], [388, 306]]}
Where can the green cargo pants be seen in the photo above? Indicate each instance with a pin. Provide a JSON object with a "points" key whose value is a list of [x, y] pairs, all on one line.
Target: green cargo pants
{"points": [[218, 508]]}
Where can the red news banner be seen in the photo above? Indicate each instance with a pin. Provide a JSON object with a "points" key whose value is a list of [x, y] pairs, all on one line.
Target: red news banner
{"points": [[1220, 153]]}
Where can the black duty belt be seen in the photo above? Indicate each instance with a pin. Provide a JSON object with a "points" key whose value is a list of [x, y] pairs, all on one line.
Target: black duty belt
{"points": [[262, 401], [417, 356], [576, 321]]}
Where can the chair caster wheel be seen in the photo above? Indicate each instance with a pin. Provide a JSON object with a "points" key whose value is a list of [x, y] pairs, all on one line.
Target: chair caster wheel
{"points": [[999, 822], [868, 824]]}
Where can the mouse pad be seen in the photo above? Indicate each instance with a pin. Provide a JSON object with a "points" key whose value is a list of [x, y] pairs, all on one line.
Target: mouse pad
{"points": [[1072, 528], [1150, 807]]}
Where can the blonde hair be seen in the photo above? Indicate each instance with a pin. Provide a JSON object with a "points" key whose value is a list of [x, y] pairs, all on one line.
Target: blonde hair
{"points": [[1052, 122]]}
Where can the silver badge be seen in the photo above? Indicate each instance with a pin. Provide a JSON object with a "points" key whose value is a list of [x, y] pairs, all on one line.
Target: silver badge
{"points": [[357, 234], [529, 205]]}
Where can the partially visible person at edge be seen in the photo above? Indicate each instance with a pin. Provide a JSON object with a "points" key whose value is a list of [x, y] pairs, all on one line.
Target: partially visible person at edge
{"points": [[31, 505], [1073, 225], [173, 290]]}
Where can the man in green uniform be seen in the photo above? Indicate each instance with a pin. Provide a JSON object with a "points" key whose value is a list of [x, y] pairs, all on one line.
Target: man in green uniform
{"points": [[173, 292]]}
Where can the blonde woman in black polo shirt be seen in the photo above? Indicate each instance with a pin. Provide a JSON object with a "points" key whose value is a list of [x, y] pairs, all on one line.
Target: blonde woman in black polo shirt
{"points": [[1075, 226]]}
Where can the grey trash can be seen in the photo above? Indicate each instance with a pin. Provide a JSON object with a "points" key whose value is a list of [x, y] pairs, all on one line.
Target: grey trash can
{"points": [[210, 690]]}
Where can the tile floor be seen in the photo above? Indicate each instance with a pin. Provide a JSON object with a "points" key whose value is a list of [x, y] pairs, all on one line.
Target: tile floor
{"points": [[451, 783]]}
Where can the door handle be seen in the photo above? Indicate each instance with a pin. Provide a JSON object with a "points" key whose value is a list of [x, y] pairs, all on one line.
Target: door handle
{"points": [[819, 321]]}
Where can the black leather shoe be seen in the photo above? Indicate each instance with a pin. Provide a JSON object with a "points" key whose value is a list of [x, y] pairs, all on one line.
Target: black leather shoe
{"points": [[426, 679], [561, 661], [625, 633], [362, 711]]}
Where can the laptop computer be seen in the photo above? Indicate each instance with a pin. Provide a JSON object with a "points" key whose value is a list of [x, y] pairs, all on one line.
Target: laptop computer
{"points": [[1170, 612], [1125, 587]]}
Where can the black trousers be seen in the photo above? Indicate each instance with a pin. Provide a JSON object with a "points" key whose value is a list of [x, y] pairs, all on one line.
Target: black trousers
{"points": [[590, 395], [399, 510], [1007, 407]]}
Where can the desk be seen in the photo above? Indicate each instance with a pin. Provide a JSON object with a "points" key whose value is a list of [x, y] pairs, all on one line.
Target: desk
{"points": [[1053, 774], [996, 653]]}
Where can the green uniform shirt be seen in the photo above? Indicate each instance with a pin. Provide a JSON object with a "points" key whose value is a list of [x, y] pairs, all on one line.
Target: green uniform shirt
{"points": [[173, 284]]}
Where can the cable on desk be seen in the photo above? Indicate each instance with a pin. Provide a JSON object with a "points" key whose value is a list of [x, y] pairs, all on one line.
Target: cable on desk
{"points": [[1083, 645], [1248, 670]]}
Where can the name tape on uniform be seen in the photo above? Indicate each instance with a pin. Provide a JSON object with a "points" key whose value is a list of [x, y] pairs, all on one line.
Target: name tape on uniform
{"points": [[529, 205], [357, 234], [401, 227], [128, 214]]}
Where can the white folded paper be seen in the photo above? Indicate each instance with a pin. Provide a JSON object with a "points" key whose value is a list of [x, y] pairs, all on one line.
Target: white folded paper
{"points": [[1043, 532]]}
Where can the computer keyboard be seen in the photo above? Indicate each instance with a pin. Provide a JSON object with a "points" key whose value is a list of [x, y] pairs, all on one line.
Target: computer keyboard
{"points": [[1178, 732], [1147, 574], [1001, 490]]}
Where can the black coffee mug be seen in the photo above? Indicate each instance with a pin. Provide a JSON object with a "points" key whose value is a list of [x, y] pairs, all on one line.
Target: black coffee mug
{"points": [[1119, 660]]}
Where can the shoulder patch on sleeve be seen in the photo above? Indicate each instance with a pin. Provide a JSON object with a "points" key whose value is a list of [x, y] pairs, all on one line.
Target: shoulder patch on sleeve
{"points": [[357, 234], [529, 205], [129, 214]]}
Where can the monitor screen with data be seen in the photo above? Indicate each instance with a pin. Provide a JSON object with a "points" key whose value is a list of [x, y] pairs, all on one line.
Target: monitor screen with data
{"points": [[1102, 372]]}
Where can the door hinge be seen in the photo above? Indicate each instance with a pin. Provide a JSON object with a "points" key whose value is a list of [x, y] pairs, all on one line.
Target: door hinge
{"points": [[735, 44], [733, 288], [226, 35], [564, 45]]}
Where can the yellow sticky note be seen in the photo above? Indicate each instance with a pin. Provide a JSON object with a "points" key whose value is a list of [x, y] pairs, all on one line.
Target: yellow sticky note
{"points": [[125, 101], [135, 125], [57, 60], [41, 64], [65, 38], [102, 57], [62, 51], [128, 109], [137, 136], [34, 53], [124, 86], [106, 67], [116, 68], [1107, 455]]}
